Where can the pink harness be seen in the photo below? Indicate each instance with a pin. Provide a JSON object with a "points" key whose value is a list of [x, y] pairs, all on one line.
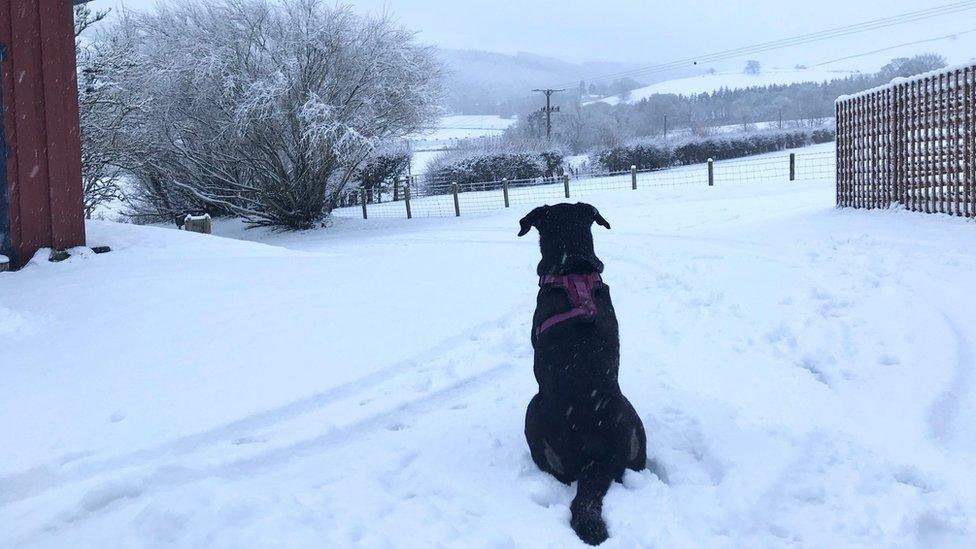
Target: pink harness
{"points": [[580, 288]]}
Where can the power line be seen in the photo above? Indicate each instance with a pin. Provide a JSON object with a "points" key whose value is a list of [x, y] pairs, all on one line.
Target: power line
{"points": [[915, 43], [847, 30]]}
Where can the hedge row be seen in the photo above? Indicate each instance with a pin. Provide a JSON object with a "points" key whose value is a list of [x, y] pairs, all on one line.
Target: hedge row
{"points": [[496, 166], [655, 156]]}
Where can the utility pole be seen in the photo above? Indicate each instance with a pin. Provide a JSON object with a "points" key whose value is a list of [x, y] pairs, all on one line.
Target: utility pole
{"points": [[549, 109]]}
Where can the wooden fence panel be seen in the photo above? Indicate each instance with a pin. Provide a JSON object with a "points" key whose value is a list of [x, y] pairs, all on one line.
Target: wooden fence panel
{"points": [[911, 143]]}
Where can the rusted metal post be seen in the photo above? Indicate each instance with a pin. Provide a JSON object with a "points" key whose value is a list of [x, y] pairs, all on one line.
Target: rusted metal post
{"points": [[711, 172], [362, 192], [406, 197], [566, 185], [792, 166], [457, 205], [505, 190], [633, 177]]}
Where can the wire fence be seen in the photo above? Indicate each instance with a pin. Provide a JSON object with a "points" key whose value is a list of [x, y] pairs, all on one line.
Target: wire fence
{"points": [[413, 199]]}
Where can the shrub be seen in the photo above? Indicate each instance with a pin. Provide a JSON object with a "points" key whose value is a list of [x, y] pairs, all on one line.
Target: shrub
{"points": [[491, 160], [652, 156], [823, 136]]}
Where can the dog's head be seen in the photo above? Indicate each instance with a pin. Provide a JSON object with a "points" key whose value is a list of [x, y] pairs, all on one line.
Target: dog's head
{"points": [[565, 238]]}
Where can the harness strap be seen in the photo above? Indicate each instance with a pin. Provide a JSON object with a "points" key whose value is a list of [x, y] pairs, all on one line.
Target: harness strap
{"points": [[580, 289]]}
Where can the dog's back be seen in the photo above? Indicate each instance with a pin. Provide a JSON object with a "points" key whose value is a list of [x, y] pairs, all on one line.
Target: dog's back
{"points": [[579, 426]]}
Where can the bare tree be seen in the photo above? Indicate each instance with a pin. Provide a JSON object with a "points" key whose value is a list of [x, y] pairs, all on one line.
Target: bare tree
{"points": [[105, 110], [266, 110]]}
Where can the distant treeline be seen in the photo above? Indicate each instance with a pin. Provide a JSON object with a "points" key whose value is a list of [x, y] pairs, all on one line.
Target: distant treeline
{"points": [[583, 128]]}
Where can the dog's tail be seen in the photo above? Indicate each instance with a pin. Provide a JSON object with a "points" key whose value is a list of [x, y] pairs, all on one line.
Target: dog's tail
{"points": [[587, 507]]}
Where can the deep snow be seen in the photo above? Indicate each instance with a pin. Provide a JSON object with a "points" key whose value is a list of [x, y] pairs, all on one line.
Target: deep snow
{"points": [[806, 376]]}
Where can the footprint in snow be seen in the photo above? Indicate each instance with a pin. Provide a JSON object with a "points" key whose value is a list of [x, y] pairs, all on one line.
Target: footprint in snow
{"points": [[889, 360], [249, 440]]}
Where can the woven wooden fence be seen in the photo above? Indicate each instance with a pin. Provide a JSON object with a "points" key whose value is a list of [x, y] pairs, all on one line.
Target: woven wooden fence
{"points": [[910, 143]]}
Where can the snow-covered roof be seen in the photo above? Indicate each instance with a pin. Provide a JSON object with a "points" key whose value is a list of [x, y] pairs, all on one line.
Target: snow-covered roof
{"points": [[899, 81]]}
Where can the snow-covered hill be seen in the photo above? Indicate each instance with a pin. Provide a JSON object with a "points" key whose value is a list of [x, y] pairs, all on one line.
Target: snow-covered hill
{"points": [[729, 80], [807, 377]]}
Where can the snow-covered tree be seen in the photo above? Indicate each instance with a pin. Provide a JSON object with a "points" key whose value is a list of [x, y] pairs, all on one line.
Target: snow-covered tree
{"points": [[267, 110], [105, 109]]}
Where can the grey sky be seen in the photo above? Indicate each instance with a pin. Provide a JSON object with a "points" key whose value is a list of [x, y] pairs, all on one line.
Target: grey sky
{"points": [[664, 30]]}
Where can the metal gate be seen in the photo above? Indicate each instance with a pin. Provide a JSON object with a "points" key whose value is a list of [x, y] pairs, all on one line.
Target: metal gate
{"points": [[5, 245]]}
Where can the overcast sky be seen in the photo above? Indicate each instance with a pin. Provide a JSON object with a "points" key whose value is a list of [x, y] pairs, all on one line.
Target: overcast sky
{"points": [[649, 31]]}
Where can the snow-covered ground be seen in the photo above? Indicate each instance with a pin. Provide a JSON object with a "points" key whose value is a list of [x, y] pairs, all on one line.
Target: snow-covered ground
{"points": [[807, 377], [732, 80]]}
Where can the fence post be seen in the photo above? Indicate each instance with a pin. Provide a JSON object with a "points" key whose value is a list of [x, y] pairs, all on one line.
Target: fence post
{"points": [[633, 177], [566, 185], [457, 205], [711, 172], [792, 166], [505, 190], [362, 191], [406, 197], [379, 194], [396, 188]]}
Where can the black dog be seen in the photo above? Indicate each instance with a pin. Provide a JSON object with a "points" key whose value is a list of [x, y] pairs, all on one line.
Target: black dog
{"points": [[579, 426]]}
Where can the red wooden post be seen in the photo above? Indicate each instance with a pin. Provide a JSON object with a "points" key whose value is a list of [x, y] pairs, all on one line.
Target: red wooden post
{"points": [[40, 118]]}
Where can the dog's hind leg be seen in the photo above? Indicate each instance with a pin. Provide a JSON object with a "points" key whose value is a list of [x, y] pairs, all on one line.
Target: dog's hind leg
{"points": [[633, 437], [587, 506]]}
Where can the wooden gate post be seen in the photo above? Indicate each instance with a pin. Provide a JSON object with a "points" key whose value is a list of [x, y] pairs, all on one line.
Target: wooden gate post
{"points": [[566, 185], [457, 205], [362, 191], [633, 177], [505, 190], [792, 166], [406, 198], [711, 172]]}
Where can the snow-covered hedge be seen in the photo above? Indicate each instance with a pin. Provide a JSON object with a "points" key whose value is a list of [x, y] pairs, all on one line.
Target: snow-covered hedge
{"points": [[653, 155], [492, 161]]}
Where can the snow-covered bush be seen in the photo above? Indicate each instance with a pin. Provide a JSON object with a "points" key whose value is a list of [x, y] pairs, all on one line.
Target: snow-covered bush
{"points": [[491, 160], [383, 165], [268, 110], [652, 154], [644, 156], [823, 136]]}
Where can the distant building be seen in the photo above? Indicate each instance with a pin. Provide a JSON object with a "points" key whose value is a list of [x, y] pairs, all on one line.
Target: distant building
{"points": [[41, 202]]}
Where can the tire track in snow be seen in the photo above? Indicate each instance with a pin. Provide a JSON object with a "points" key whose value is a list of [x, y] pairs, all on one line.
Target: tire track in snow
{"points": [[20, 486], [945, 413], [949, 408], [103, 500]]}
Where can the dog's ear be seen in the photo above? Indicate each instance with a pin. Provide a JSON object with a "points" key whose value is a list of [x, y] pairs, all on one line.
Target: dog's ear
{"points": [[599, 218], [531, 219]]}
